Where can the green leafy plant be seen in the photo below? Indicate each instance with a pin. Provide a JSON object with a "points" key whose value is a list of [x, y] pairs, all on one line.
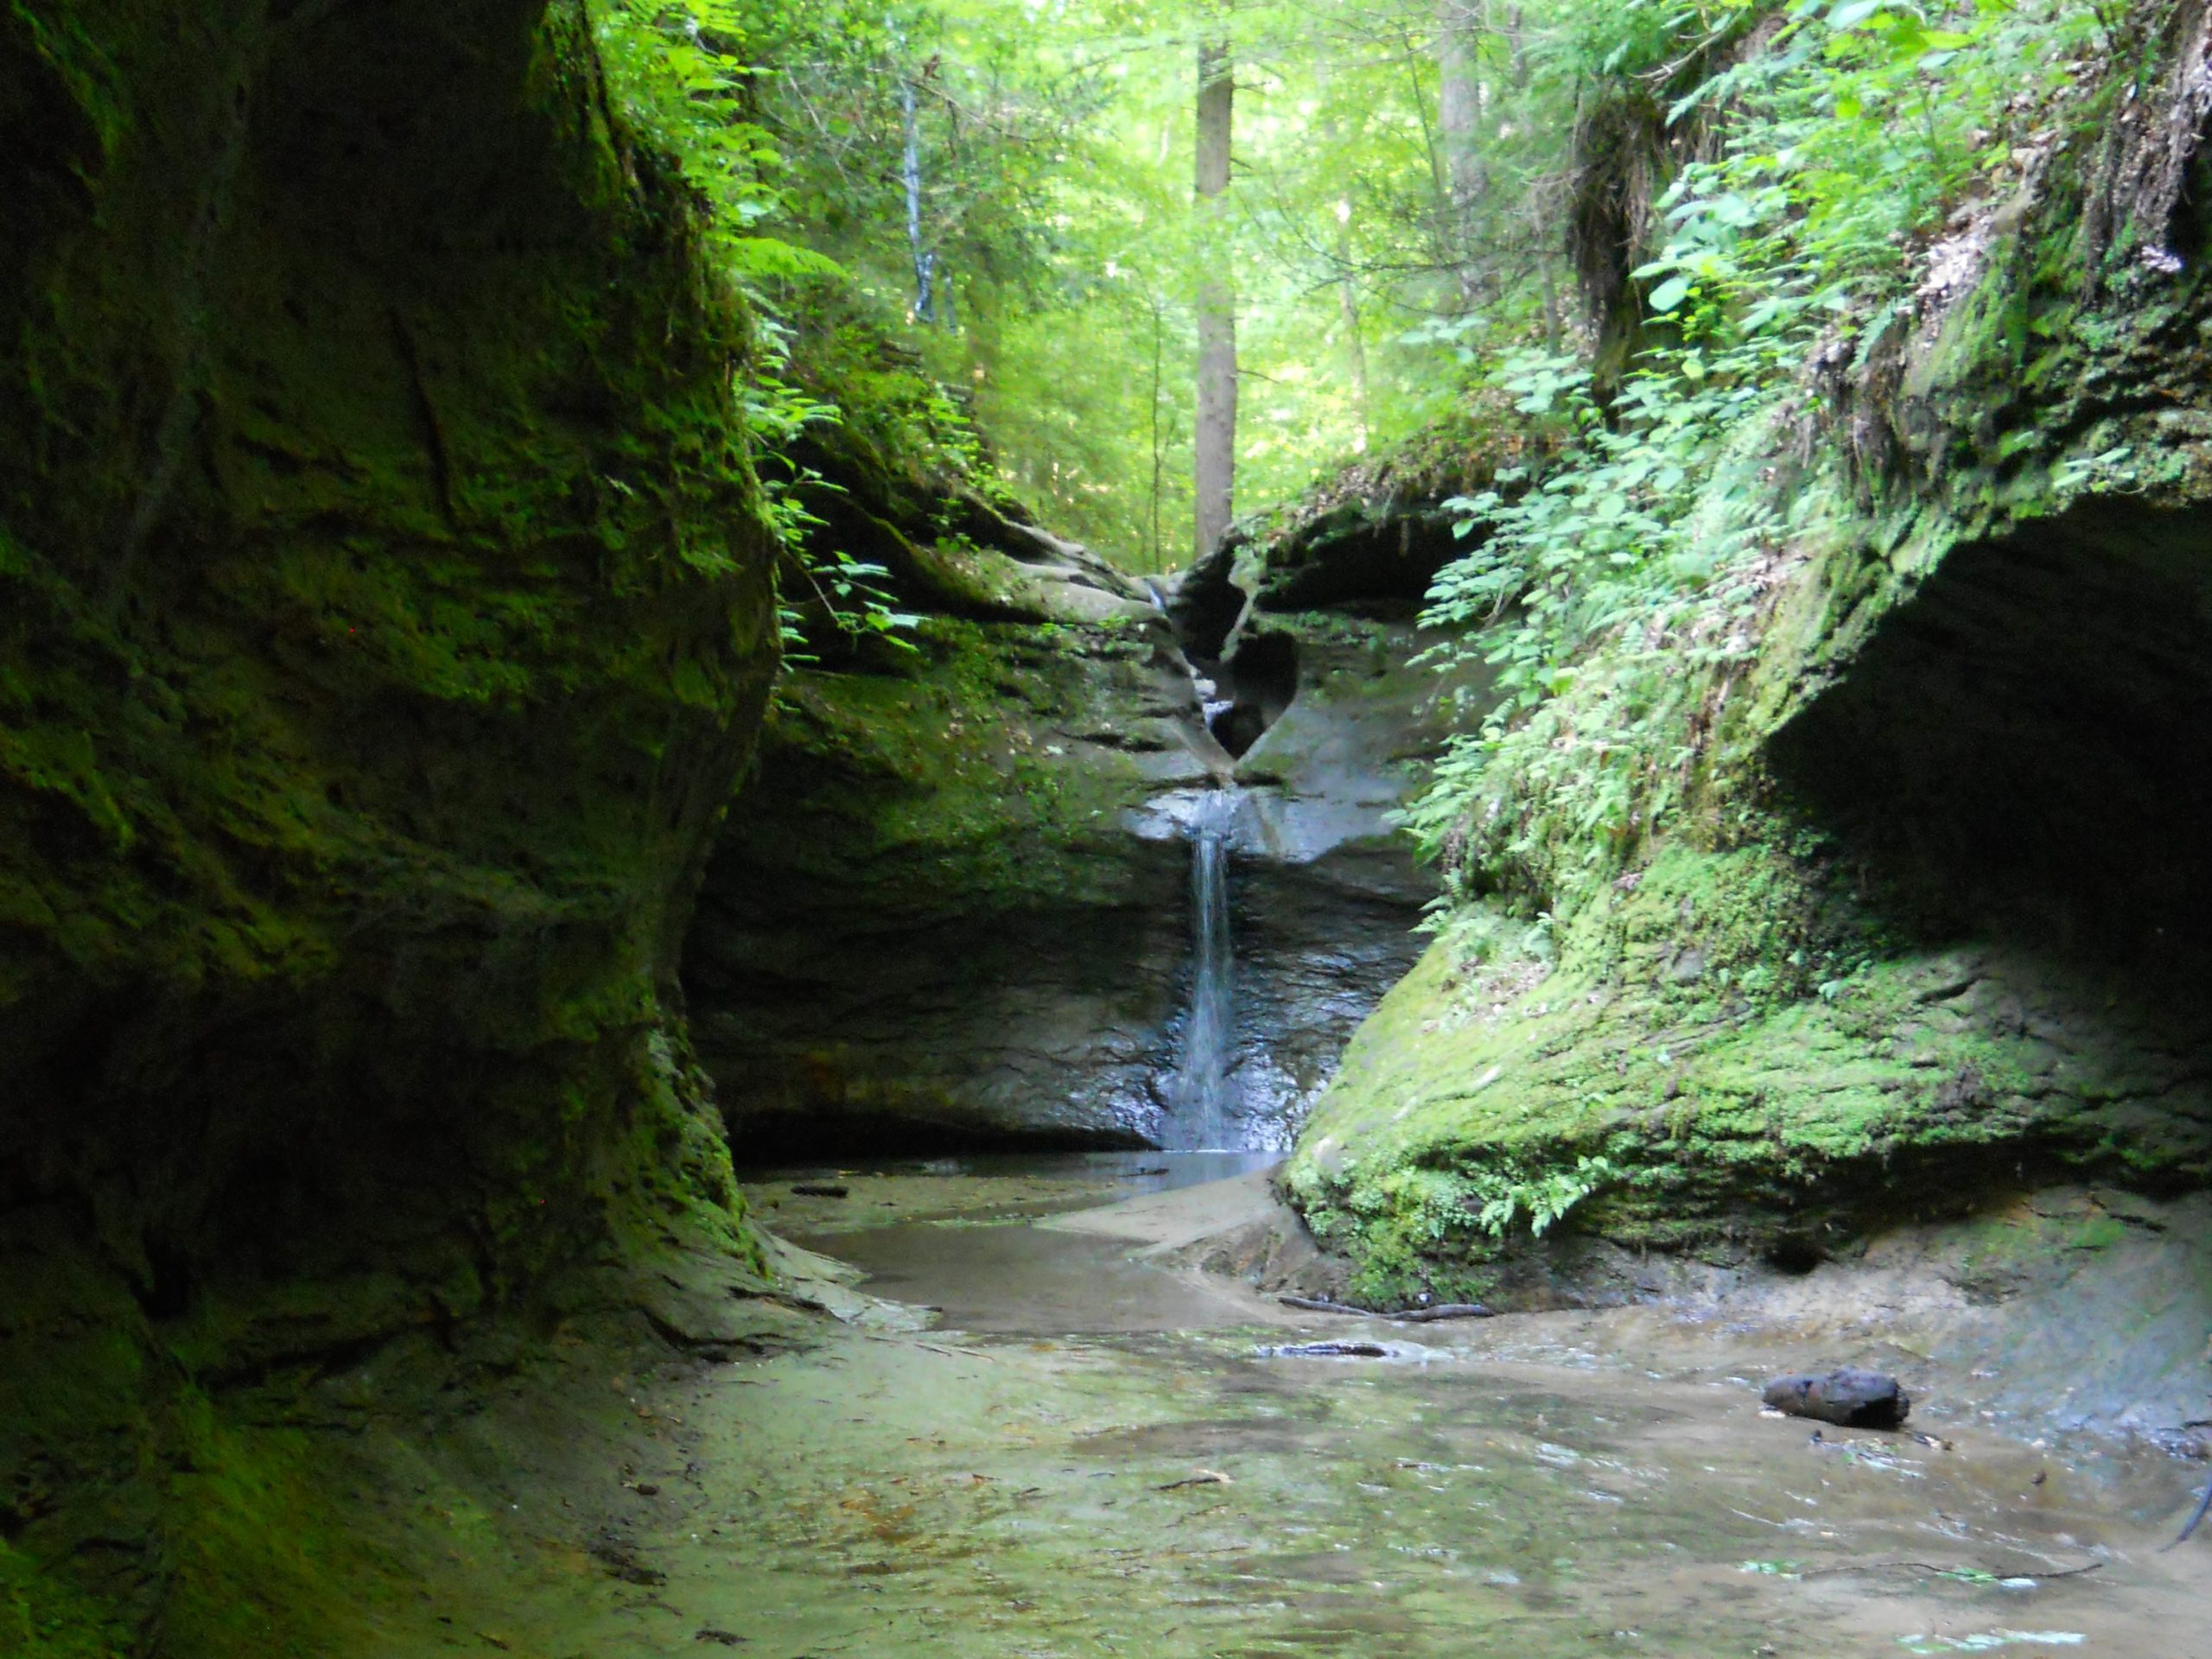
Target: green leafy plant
{"points": [[851, 593], [1613, 586], [1489, 1199], [684, 71], [684, 67], [1538, 1200]]}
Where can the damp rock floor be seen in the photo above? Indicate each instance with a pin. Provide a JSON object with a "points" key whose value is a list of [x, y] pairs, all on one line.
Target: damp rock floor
{"points": [[1088, 1455]]}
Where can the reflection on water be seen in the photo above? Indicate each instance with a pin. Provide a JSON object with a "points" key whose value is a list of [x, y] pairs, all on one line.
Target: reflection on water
{"points": [[1116, 1174]]}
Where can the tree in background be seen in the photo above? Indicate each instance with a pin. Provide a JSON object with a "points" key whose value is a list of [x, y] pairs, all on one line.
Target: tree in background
{"points": [[1214, 449], [1135, 342]]}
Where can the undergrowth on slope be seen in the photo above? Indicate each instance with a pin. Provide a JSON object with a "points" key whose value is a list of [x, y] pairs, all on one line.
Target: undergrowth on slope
{"points": [[1616, 586], [683, 72]]}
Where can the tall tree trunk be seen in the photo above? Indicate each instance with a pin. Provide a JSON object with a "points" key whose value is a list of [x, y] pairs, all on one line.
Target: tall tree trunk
{"points": [[1458, 117], [1355, 333], [1215, 456], [1159, 450], [925, 261]]}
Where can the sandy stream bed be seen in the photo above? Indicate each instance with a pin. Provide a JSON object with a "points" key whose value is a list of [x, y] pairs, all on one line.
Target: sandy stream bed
{"points": [[1091, 1451]]}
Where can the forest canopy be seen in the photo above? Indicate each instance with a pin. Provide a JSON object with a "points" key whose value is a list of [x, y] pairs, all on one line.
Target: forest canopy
{"points": [[982, 211], [986, 207], [1599, 246]]}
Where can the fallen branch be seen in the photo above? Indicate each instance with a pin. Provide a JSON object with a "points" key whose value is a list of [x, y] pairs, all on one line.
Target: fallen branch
{"points": [[1403, 1316], [1442, 1310], [2203, 1503]]}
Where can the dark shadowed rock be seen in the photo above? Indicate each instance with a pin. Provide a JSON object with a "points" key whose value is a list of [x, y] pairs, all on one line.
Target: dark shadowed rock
{"points": [[951, 907], [1848, 1398]]}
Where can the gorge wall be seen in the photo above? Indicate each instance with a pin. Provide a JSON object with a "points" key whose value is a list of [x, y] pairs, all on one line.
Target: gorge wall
{"points": [[952, 907], [1919, 944], [387, 618]]}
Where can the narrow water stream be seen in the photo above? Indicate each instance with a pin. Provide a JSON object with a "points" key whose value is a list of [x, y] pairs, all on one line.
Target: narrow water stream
{"points": [[1203, 1108], [1093, 1454]]}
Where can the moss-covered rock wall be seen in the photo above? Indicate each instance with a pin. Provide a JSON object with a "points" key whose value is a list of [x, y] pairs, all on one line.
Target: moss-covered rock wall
{"points": [[927, 923], [952, 907], [1907, 920], [385, 620]]}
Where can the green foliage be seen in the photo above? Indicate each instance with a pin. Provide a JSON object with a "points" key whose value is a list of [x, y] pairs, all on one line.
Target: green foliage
{"points": [[850, 593], [683, 69], [1048, 154], [1539, 1199], [1387, 264], [1612, 588], [1439, 1204], [1641, 536]]}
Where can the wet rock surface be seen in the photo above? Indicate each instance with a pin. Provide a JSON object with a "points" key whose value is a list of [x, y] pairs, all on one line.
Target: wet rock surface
{"points": [[952, 907], [926, 923]]}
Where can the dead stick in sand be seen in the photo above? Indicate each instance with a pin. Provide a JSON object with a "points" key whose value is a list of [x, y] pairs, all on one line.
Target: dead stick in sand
{"points": [[2202, 1504], [1404, 1315]]}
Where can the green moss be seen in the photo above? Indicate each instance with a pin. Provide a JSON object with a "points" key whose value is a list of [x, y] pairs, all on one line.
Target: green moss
{"points": [[268, 1565], [942, 777], [1698, 980], [45, 1617], [387, 615], [1788, 1094]]}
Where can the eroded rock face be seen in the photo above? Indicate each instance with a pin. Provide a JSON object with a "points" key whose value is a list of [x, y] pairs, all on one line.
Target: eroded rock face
{"points": [[954, 907], [1920, 931], [387, 620], [927, 922], [1956, 960], [1326, 894]]}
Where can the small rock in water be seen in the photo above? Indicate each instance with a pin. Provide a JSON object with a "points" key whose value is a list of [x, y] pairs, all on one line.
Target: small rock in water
{"points": [[821, 1190], [1848, 1398], [1327, 1350]]}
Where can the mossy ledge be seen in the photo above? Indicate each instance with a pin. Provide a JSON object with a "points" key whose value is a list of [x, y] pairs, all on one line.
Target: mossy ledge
{"points": [[385, 617], [1906, 911], [927, 922]]}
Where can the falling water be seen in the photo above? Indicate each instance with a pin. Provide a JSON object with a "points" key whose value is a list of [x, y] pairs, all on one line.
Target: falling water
{"points": [[1202, 1098]]}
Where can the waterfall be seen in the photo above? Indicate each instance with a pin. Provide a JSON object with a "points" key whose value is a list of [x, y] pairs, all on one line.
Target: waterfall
{"points": [[1202, 1098]]}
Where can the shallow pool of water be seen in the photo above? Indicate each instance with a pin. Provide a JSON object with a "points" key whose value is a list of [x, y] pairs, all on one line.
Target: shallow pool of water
{"points": [[1096, 1456]]}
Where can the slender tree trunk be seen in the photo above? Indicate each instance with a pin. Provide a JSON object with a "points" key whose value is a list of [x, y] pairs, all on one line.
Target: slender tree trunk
{"points": [[1215, 454], [925, 261], [1355, 336], [1438, 181], [1458, 118], [1159, 453], [1553, 335]]}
